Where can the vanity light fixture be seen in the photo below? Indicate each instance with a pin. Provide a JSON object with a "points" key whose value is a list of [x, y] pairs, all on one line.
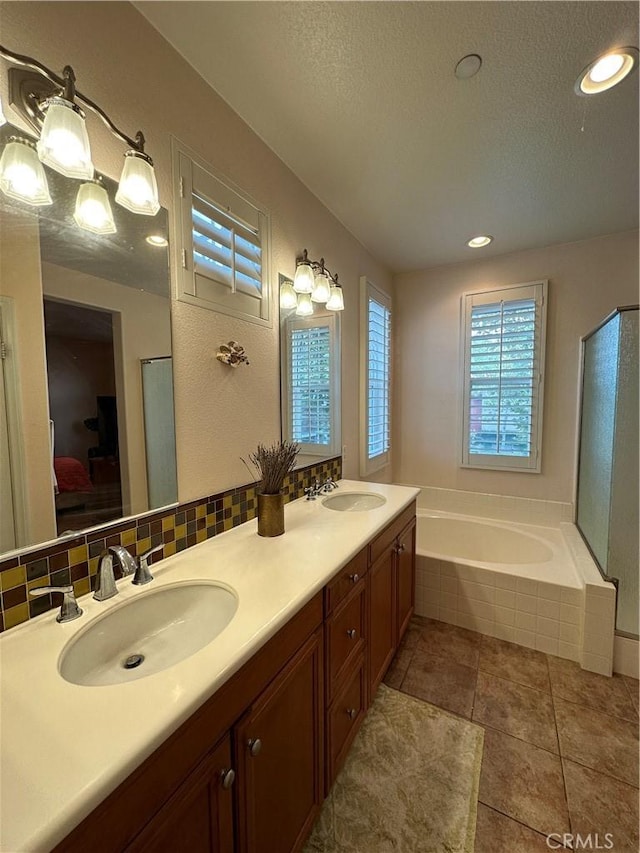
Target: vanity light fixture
{"points": [[305, 306], [480, 241], [304, 279], [321, 285], [288, 296], [21, 174], [315, 281], [64, 141], [93, 210], [336, 297], [607, 71], [48, 103]]}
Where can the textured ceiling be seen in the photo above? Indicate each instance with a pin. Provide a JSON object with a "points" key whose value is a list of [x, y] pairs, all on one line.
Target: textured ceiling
{"points": [[361, 102]]}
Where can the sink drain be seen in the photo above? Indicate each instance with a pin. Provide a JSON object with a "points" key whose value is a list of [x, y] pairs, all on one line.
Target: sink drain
{"points": [[132, 661]]}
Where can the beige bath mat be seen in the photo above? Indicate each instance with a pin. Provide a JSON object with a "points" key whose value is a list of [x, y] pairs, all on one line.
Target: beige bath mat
{"points": [[409, 784]]}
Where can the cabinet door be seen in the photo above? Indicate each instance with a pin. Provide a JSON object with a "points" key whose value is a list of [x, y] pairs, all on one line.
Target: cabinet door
{"points": [[279, 748], [198, 818], [406, 574], [382, 616]]}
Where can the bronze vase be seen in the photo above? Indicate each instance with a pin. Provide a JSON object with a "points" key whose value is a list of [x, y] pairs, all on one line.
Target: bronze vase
{"points": [[271, 515]]}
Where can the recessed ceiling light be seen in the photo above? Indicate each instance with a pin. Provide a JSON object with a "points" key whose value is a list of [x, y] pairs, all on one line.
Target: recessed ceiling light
{"points": [[607, 70], [157, 240], [468, 66], [480, 241]]}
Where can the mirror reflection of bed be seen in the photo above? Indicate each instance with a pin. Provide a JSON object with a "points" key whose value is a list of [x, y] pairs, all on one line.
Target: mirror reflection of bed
{"points": [[84, 416]]}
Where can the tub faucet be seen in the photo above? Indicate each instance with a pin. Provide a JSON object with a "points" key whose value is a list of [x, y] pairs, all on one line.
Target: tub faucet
{"points": [[105, 581]]}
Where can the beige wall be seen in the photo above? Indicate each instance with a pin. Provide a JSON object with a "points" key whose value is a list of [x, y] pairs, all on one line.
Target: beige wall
{"points": [[123, 64], [587, 280]]}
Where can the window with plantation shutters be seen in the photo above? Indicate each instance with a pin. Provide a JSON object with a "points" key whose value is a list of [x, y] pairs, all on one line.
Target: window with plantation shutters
{"points": [[376, 378], [504, 336], [224, 243], [311, 390]]}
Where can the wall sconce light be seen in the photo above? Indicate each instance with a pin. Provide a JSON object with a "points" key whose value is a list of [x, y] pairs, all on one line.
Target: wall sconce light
{"points": [[313, 282], [48, 103]]}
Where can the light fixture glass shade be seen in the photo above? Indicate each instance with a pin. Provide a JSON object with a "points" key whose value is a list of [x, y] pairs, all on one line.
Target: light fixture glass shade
{"points": [[305, 305], [304, 280], [64, 143], [21, 174], [93, 210], [138, 190], [3, 118], [288, 296], [321, 288], [336, 298]]}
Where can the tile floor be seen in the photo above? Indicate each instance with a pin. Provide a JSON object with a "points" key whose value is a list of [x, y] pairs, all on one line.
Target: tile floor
{"points": [[561, 744]]}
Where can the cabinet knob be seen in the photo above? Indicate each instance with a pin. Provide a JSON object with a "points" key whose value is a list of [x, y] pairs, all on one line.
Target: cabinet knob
{"points": [[401, 547], [227, 778], [352, 713], [354, 578], [352, 633], [255, 745]]}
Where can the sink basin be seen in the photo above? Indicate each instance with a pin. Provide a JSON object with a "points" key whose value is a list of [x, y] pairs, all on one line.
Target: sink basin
{"points": [[151, 632], [354, 501]]}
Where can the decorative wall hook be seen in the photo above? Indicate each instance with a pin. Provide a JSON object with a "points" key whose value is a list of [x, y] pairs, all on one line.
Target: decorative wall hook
{"points": [[232, 354]]}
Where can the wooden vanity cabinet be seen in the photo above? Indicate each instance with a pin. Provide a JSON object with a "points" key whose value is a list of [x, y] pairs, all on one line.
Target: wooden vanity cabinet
{"points": [[198, 818], [391, 589], [279, 755], [405, 578], [346, 641]]}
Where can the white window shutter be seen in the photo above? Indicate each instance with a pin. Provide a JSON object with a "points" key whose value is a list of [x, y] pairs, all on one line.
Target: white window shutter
{"points": [[504, 358]]}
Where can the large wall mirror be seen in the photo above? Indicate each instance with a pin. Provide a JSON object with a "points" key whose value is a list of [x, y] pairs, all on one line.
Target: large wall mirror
{"points": [[310, 397], [86, 394]]}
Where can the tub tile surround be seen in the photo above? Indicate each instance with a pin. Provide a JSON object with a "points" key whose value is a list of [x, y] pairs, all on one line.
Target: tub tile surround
{"points": [[573, 619], [499, 507], [75, 560]]}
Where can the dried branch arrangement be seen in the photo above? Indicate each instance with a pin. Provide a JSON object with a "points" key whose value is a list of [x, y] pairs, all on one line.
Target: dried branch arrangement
{"points": [[273, 464]]}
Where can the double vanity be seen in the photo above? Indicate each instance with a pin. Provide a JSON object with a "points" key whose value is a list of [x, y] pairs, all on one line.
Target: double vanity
{"points": [[211, 709]]}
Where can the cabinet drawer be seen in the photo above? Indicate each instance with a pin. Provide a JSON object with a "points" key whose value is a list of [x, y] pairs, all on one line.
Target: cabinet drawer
{"points": [[345, 580], [385, 539], [343, 720], [345, 636]]}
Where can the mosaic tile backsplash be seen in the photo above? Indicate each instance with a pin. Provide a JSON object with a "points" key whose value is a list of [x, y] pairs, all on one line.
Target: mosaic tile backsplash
{"points": [[75, 560]]}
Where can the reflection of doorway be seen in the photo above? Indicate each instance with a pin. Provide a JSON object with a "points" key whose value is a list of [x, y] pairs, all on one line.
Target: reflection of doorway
{"points": [[83, 409]]}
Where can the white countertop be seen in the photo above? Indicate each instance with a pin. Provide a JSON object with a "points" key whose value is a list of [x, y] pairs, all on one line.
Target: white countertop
{"points": [[65, 747]]}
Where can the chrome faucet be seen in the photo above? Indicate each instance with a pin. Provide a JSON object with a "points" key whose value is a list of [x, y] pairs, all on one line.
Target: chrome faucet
{"points": [[105, 581], [313, 491], [143, 575], [69, 609], [329, 485]]}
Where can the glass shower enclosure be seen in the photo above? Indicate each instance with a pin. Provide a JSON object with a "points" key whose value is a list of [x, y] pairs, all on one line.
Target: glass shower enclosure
{"points": [[607, 499]]}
